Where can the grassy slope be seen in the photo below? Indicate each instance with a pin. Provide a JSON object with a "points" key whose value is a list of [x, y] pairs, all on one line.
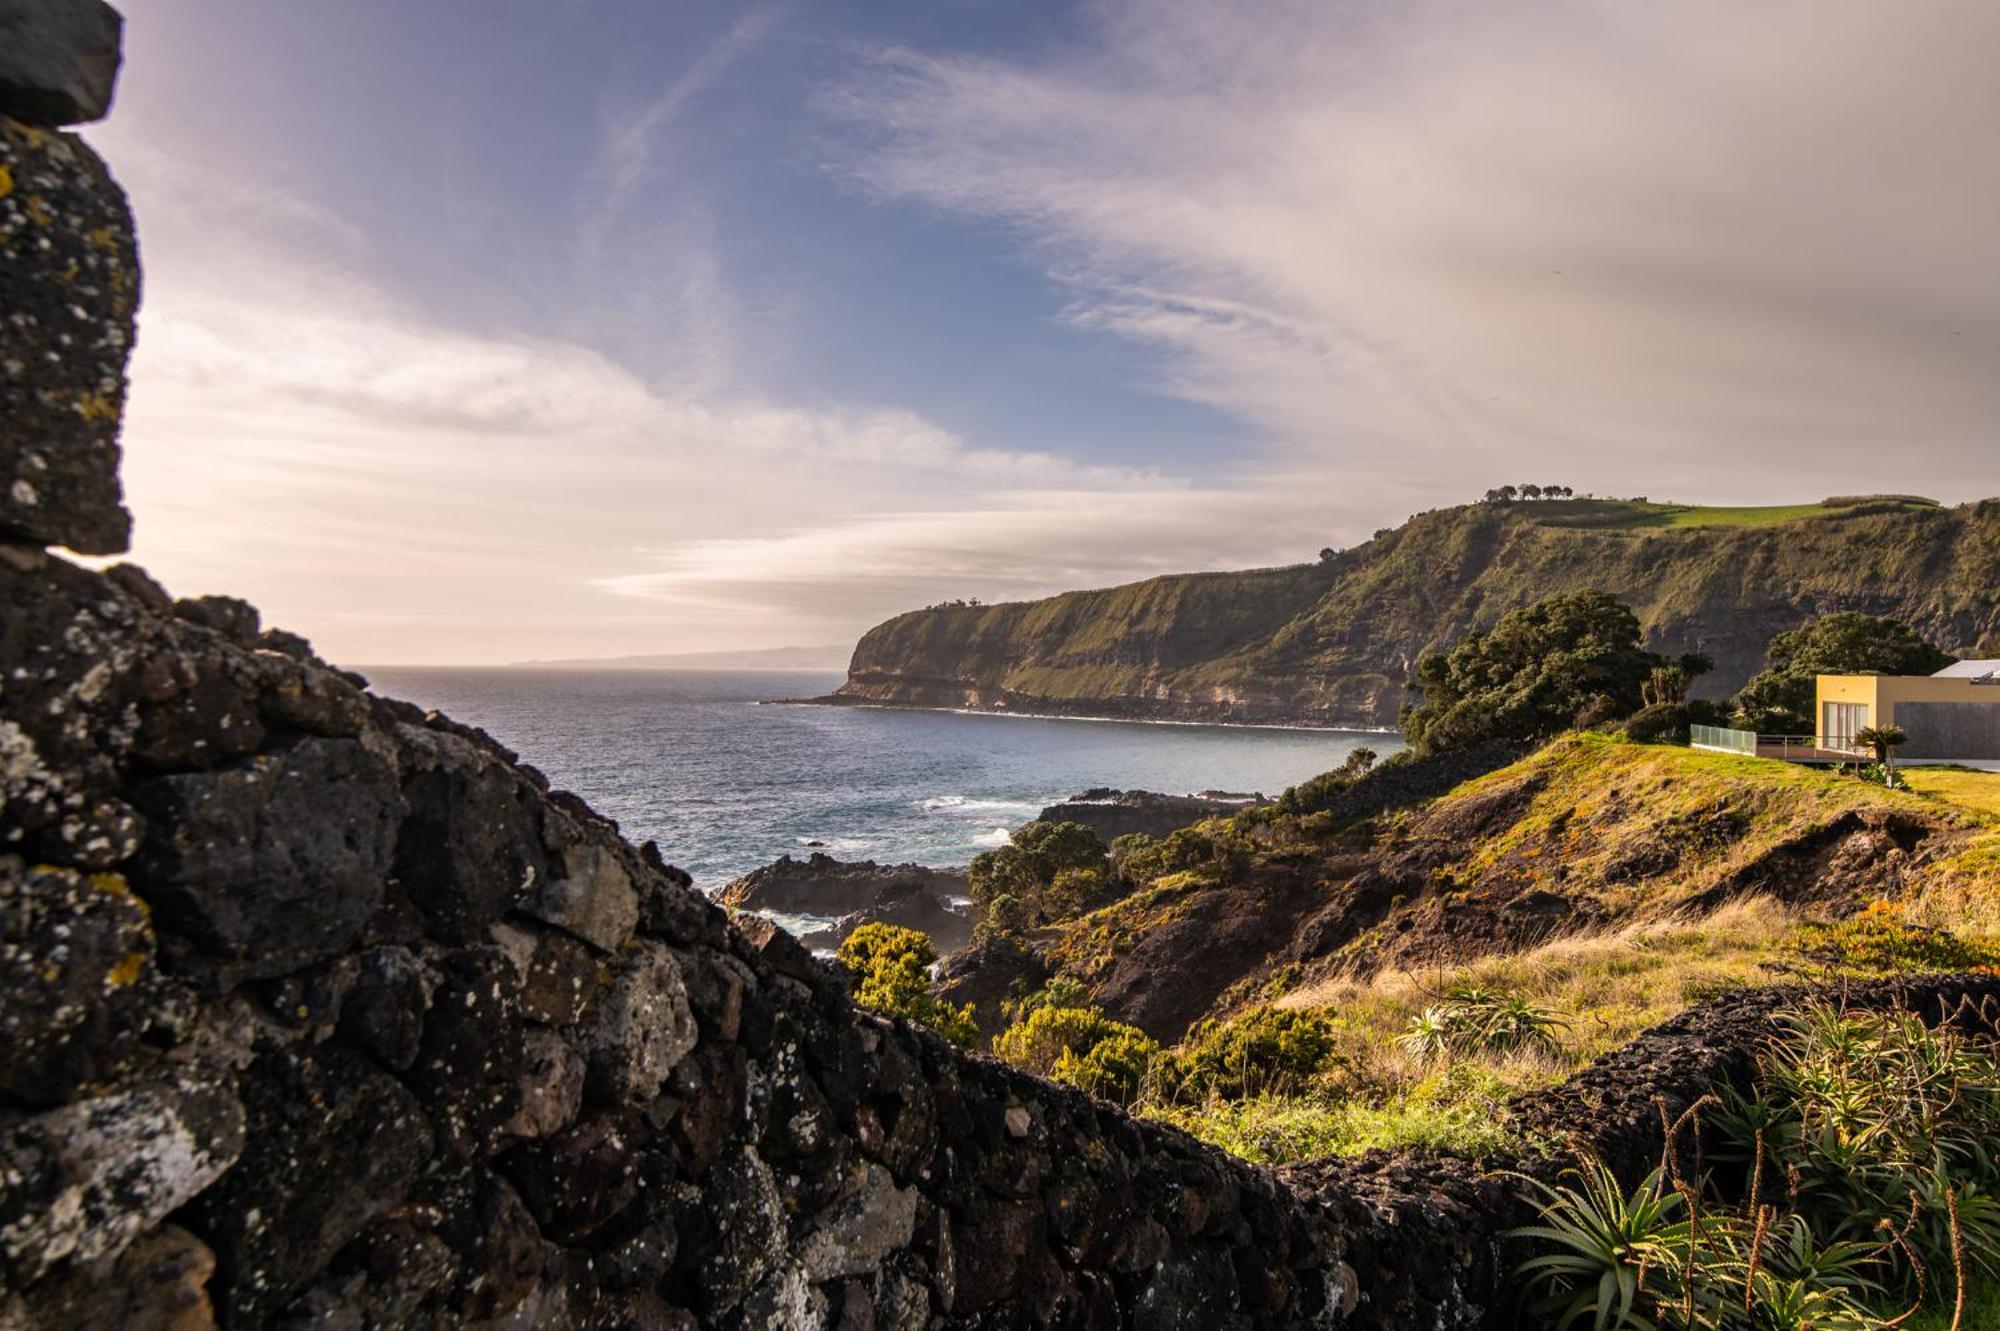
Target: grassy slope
{"points": [[1665, 850], [1334, 641], [1960, 786], [1608, 985], [1586, 836]]}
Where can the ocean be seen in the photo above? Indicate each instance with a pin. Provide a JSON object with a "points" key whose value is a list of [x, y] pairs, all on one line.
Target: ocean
{"points": [[693, 760]]}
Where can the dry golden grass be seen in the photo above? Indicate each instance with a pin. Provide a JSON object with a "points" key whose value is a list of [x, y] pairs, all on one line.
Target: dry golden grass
{"points": [[1608, 986]]}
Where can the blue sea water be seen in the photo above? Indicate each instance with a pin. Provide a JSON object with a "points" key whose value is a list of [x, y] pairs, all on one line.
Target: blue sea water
{"points": [[692, 760]]}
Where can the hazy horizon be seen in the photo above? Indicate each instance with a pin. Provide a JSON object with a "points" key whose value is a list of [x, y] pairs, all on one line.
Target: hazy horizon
{"points": [[478, 335]]}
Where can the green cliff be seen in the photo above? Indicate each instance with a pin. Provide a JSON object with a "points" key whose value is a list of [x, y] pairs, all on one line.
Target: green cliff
{"points": [[1332, 643]]}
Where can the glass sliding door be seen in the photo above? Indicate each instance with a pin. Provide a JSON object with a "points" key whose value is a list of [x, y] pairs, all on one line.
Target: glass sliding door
{"points": [[1840, 722]]}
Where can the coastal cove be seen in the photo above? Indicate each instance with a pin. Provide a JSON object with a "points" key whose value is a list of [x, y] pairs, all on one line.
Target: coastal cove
{"points": [[695, 760]]}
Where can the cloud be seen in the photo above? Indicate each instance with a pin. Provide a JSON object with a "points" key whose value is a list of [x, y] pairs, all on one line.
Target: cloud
{"points": [[404, 489], [1016, 545], [1707, 248]]}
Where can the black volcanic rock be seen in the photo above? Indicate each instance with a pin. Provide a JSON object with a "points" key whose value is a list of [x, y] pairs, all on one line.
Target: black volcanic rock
{"points": [[1115, 813], [858, 892], [58, 60], [70, 293]]}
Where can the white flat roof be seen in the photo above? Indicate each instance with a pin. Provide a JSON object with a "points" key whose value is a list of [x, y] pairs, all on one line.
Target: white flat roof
{"points": [[1970, 670]]}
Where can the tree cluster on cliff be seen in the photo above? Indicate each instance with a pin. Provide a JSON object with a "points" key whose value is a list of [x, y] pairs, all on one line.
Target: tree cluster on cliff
{"points": [[1567, 660], [1507, 494], [1780, 699]]}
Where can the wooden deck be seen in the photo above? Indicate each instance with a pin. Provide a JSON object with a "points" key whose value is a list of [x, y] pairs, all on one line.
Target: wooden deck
{"points": [[1804, 751]]}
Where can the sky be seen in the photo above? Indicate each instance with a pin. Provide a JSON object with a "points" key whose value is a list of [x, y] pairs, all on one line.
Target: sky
{"points": [[485, 330]]}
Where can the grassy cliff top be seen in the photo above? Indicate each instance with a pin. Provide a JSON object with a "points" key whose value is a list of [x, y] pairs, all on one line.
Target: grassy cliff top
{"points": [[1643, 514]]}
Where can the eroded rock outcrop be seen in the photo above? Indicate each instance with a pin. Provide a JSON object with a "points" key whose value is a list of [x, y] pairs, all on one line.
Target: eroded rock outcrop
{"points": [[1116, 813], [858, 892]]}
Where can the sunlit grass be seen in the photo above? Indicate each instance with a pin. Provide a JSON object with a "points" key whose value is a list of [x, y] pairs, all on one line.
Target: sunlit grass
{"points": [[1962, 786]]}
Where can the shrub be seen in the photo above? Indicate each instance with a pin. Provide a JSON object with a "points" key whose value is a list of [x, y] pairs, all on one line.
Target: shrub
{"points": [[1317, 793], [1081, 1046], [1027, 868], [891, 966], [1060, 991], [1215, 847], [1113, 1069], [1263, 1050], [1780, 698], [1662, 721], [1471, 1019]]}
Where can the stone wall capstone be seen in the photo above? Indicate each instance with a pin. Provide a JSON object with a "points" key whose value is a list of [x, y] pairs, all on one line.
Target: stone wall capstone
{"points": [[71, 273]]}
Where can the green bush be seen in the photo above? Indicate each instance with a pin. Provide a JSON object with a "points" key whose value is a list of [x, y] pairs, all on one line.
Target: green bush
{"points": [[1079, 1045], [1666, 721], [1320, 792], [1781, 697], [1265, 1050], [1214, 848], [1530, 676], [891, 966], [1028, 868], [1113, 1069]]}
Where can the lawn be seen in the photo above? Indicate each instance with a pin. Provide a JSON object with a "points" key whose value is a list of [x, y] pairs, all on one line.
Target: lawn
{"points": [[1619, 515], [1968, 789]]}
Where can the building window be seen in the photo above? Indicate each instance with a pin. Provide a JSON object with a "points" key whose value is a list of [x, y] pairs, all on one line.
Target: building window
{"points": [[1840, 722]]}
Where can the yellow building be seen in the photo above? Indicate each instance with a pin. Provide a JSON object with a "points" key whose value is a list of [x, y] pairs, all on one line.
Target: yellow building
{"points": [[1953, 715]]}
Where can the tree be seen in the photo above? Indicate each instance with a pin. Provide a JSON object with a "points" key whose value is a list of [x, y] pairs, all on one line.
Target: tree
{"points": [[1780, 698], [1028, 867], [891, 967], [1666, 686], [1531, 491], [1507, 494], [1883, 741], [1530, 676]]}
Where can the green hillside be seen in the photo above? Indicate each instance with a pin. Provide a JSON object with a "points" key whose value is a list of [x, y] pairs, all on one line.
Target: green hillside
{"points": [[1332, 642]]}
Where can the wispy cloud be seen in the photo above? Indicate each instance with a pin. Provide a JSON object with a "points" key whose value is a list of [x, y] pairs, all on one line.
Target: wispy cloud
{"points": [[404, 489], [1707, 246], [632, 134]]}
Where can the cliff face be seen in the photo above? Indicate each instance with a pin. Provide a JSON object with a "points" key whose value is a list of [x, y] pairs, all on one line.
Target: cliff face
{"points": [[1332, 643]]}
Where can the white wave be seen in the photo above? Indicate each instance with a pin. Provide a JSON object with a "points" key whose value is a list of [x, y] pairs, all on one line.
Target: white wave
{"points": [[800, 924], [999, 836], [837, 845], [973, 807]]}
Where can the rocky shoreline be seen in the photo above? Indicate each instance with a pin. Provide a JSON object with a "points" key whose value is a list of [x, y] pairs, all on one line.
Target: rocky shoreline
{"points": [[1136, 711], [857, 892]]}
